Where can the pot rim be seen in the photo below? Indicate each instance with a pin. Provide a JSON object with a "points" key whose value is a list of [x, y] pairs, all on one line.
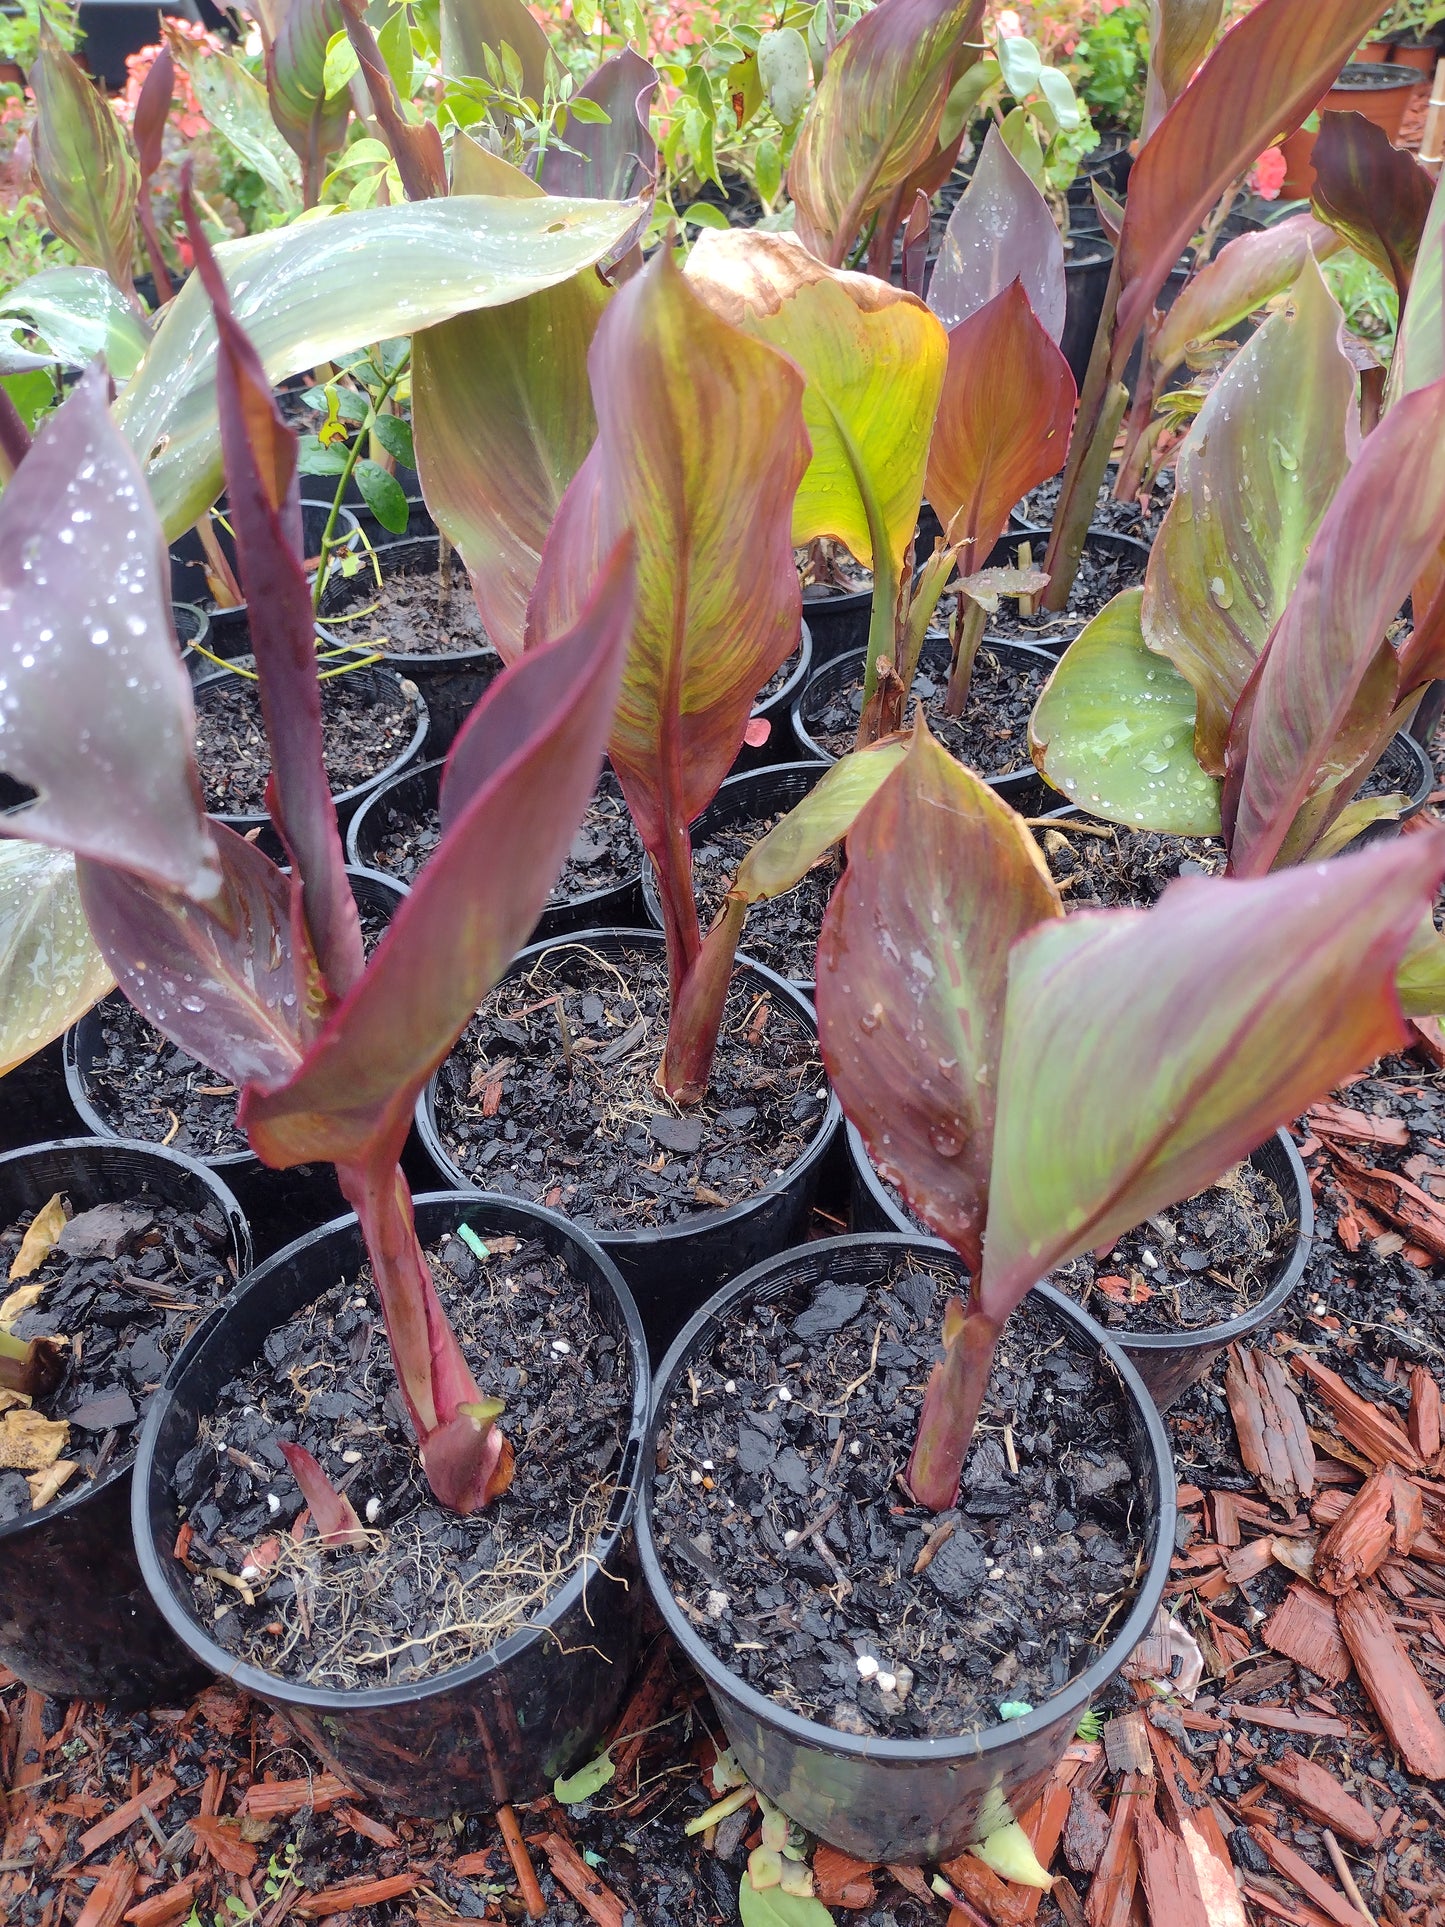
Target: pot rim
{"points": [[624, 1241], [781, 700], [275, 1687], [241, 1249], [942, 1749]]}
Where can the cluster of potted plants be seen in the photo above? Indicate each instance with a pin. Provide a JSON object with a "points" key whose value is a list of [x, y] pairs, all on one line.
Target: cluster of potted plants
{"points": [[1081, 889]]}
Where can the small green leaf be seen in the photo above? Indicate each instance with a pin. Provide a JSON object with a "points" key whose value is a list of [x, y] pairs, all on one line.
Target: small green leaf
{"points": [[590, 112], [574, 1788], [704, 214], [394, 434], [1020, 65], [394, 42], [383, 495], [1056, 90], [315, 458], [1023, 143], [775, 1908], [768, 170], [341, 65]]}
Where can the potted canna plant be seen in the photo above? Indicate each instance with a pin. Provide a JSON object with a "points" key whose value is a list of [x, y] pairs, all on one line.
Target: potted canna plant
{"points": [[901, 1677], [261, 974]]}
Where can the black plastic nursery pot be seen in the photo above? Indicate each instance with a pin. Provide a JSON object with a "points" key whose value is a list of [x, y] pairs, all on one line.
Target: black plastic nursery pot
{"points": [[1406, 766], [837, 623], [348, 801], [1023, 789], [1103, 545], [412, 797], [905, 1800], [501, 1728], [193, 632], [230, 628], [450, 683], [670, 1270], [1088, 260], [1168, 1363], [751, 797], [779, 746], [280, 1206], [76, 1619], [35, 1103]]}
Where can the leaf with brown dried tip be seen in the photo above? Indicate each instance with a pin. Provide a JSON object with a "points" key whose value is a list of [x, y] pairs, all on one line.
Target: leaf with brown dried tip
{"points": [[1259, 83], [85, 162], [98, 716], [1375, 195], [1242, 276], [1002, 230], [875, 117], [260, 454], [1295, 727], [1002, 425], [942, 880], [700, 436], [332, 1513], [1257, 471], [1175, 1040]]}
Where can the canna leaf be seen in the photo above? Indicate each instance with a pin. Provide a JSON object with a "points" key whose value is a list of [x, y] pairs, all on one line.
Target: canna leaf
{"points": [[1113, 728], [1246, 272], [1002, 230], [310, 293], [50, 970], [875, 117], [1003, 422], [526, 762], [1174, 1040], [1261, 464], [1259, 83], [1420, 980], [236, 105], [152, 107], [874, 361], [97, 714], [1372, 193], [503, 417], [264, 506], [470, 29], [615, 159], [78, 313], [219, 981], [700, 436], [311, 124], [1184, 32], [773, 1907], [942, 880], [1379, 531], [1419, 356], [332, 1513], [415, 143], [85, 162]]}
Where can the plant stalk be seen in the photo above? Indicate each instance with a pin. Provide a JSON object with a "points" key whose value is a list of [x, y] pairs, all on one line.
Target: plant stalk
{"points": [[952, 1404], [348, 469], [968, 624], [1088, 430]]}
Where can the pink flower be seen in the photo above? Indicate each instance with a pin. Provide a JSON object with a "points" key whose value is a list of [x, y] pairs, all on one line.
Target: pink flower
{"points": [[1268, 174], [1010, 26]]}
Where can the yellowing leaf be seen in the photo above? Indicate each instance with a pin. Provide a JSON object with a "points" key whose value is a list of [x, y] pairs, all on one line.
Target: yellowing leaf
{"points": [[1009, 1853], [587, 1780], [29, 1442], [35, 1247], [18, 1301]]}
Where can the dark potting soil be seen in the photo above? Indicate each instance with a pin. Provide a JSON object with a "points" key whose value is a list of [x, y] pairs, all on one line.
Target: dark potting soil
{"points": [[595, 1138], [778, 678], [1099, 580], [783, 932], [432, 1590], [407, 616], [126, 1284], [787, 1538], [1120, 518], [1099, 866], [990, 736], [606, 851], [146, 1087], [366, 722], [1198, 1263]]}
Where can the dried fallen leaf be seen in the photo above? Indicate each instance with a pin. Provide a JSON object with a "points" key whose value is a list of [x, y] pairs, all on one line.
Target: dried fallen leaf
{"points": [[38, 1242], [1123, 1291], [20, 1300], [29, 1442], [44, 1485]]}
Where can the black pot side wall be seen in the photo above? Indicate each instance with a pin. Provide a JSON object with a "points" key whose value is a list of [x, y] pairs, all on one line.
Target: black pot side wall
{"points": [[907, 1800], [502, 1728], [76, 1618]]}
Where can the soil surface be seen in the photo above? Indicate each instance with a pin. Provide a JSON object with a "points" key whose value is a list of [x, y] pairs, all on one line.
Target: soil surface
{"points": [[1010, 1604], [778, 679], [1099, 866], [406, 615], [606, 852], [367, 721], [1099, 580], [598, 1141], [1199, 1263], [992, 733], [431, 1591], [126, 1284], [146, 1087], [1120, 518], [783, 932]]}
